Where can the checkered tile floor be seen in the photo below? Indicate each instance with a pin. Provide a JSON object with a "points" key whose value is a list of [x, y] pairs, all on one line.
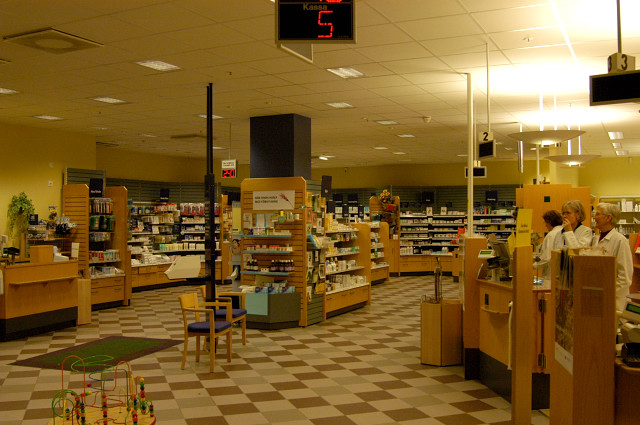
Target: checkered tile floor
{"points": [[362, 367]]}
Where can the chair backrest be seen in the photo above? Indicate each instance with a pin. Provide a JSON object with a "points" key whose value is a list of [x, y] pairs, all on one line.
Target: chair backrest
{"points": [[189, 301], [203, 291]]}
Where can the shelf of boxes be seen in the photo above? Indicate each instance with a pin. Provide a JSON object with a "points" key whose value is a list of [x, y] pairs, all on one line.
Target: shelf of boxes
{"points": [[501, 224], [379, 238]]}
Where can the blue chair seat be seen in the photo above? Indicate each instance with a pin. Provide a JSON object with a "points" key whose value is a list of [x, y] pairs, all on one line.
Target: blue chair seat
{"points": [[235, 313], [201, 327]]}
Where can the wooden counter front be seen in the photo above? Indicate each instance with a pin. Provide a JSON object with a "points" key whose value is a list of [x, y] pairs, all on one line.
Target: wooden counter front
{"points": [[38, 296]]}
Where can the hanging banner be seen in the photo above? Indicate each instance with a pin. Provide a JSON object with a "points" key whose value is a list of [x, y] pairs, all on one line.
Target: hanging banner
{"points": [[269, 200]]}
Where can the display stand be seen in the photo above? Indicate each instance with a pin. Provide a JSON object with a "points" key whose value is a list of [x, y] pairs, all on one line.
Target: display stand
{"points": [[380, 251], [348, 286], [582, 370], [111, 289], [265, 197]]}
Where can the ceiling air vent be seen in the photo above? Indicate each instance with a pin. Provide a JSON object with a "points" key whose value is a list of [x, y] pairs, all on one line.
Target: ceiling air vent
{"points": [[52, 41]]}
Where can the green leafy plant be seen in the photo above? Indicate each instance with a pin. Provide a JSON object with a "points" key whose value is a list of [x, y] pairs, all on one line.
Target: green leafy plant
{"points": [[20, 208]]}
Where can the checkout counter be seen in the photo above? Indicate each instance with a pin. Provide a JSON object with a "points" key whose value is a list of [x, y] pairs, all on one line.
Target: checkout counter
{"points": [[38, 296], [489, 327]]}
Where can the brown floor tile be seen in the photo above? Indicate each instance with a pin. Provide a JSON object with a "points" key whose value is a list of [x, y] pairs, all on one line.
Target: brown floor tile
{"points": [[367, 371], [189, 385], [392, 385], [291, 385], [355, 408], [375, 395], [328, 367], [237, 409], [215, 420], [309, 375], [308, 402], [334, 420], [483, 393], [472, 406], [264, 396], [458, 420], [448, 379], [405, 414], [293, 363], [224, 391]]}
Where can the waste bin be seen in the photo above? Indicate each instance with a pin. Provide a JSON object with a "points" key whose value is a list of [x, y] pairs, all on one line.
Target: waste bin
{"points": [[441, 332]]}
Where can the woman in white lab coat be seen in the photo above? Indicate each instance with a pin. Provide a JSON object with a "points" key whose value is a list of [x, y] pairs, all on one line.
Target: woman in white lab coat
{"points": [[574, 234], [553, 222], [606, 217]]}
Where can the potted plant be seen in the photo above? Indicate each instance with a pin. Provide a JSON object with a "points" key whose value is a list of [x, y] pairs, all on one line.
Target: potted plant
{"points": [[20, 208], [387, 201]]}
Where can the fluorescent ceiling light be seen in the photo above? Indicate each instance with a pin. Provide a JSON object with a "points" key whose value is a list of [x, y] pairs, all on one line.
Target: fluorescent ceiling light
{"points": [[47, 117], [399, 153], [110, 100], [100, 128], [158, 65], [147, 135], [406, 136], [386, 122], [622, 152], [7, 91], [324, 158], [616, 135], [219, 148], [508, 149], [462, 155], [616, 145], [547, 143], [346, 72], [215, 117], [380, 148], [340, 105]]}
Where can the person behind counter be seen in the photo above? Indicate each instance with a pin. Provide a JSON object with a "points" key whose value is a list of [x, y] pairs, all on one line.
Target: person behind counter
{"points": [[573, 234], [553, 222], [606, 217]]}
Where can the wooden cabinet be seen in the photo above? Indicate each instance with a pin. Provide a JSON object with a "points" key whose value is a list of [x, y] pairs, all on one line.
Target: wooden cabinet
{"points": [[337, 300]]}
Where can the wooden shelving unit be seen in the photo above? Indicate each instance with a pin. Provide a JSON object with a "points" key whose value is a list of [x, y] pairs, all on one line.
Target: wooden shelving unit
{"points": [[380, 252], [251, 190], [108, 289]]}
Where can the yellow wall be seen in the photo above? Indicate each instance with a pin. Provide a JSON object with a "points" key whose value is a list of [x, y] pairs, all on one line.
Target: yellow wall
{"points": [[612, 176], [498, 172], [33, 157], [143, 166]]}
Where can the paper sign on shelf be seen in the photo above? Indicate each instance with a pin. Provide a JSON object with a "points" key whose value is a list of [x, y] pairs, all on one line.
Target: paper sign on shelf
{"points": [[523, 227], [274, 200]]}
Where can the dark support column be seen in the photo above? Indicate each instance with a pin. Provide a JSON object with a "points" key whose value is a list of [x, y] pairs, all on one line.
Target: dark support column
{"points": [[280, 146], [210, 205]]}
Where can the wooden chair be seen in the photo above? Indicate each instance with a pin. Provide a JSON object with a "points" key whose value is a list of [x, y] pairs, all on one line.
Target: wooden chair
{"points": [[212, 328], [237, 314]]}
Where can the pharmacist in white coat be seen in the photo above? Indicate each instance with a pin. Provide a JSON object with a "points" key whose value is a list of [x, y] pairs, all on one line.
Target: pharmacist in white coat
{"points": [[606, 217], [574, 234], [553, 222]]}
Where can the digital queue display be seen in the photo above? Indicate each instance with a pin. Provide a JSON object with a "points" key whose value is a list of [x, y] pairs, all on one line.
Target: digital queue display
{"points": [[315, 21]]}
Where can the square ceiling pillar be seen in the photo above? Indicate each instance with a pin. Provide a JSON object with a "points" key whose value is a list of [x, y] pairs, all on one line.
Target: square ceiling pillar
{"points": [[280, 146]]}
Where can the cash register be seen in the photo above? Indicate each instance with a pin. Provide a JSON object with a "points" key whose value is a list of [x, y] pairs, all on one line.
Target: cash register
{"points": [[630, 332], [495, 261]]}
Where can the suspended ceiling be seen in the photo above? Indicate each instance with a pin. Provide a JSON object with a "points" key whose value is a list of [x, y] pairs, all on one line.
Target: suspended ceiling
{"points": [[414, 56]]}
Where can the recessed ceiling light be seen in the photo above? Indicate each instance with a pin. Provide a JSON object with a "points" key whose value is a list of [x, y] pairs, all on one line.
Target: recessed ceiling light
{"points": [[110, 100], [7, 91], [406, 136], [47, 117], [616, 135], [508, 149], [622, 152], [616, 145], [380, 148], [158, 65], [533, 149], [462, 155], [340, 105], [215, 117], [346, 72], [399, 153], [386, 122], [147, 135], [324, 158], [219, 148], [498, 143]]}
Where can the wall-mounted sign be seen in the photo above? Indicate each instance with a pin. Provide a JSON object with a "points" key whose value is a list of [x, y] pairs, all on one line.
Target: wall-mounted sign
{"points": [[228, 168], [270, 200], [315, 21], [96, 187]]}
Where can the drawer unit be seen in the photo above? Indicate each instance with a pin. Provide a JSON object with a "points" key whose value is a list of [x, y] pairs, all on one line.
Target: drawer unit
{"points": [[346, 298], [107, 290]]}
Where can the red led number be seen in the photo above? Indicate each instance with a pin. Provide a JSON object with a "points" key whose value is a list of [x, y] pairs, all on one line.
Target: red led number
{"points": [[329, 24]]}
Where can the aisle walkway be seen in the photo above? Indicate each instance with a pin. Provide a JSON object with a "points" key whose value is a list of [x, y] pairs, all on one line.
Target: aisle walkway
{"points": [[358, 368]]}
